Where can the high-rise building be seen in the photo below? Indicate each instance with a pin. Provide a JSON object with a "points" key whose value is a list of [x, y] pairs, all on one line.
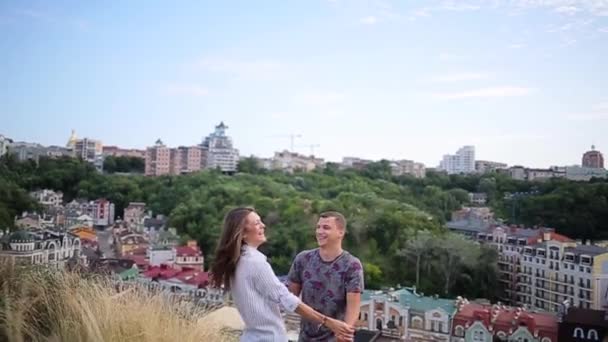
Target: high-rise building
{"points": [[89, 150], [542, 269], [158, 159], [220, 152], [123, 152], [103, 212], [4, 144], [593, 159], [408, 167], [291, 161], [185, 159], [27, 151], [461, 162], [485, 166]]}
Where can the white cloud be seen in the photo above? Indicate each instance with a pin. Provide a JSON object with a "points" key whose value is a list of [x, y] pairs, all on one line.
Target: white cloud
{"points": [[591, 116], [458, 77], [517, 46], [450, 6], [186, 90], [505, 91], [448, 56], [569, 10], [371, 20], [253, 69], [320, 98], [603, 29], [601, 106], [598, 112]]}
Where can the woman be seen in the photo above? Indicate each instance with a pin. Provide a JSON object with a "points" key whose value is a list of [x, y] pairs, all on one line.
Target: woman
{"points": [[257, 292]]}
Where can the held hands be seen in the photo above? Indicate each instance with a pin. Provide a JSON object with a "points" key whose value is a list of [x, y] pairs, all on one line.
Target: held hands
{"points": [[343, 331]]}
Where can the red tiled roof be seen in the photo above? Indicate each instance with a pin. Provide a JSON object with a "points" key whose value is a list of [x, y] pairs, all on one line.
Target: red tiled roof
{"points": [[189, 276], [140, 260], [138, 251], [560, 237], [194, 278], [187, 251], [506, 319]]}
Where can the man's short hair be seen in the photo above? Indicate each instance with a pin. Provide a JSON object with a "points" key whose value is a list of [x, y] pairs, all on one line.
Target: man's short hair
{"points": [[340, 219]]}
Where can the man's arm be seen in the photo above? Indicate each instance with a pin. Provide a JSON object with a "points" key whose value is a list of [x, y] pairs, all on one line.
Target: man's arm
{"points": [[353, 307]]}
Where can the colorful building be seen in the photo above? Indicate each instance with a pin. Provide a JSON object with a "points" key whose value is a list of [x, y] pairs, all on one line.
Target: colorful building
{"points": [[484, 323], [582, 325], [407, 315]]}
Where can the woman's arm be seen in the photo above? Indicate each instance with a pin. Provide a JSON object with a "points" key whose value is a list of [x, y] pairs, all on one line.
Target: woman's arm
{"points": [[269, 286]]}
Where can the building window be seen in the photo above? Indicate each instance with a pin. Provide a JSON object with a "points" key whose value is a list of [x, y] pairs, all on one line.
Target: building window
{"points": [[400, 321], [417, 323], [366, 317], [592, 335], [478, 336], [579, 333], [459, 331]]}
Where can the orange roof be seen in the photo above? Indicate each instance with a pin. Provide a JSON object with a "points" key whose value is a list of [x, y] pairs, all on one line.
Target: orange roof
{"points": [[85, 233], [560, 237]]}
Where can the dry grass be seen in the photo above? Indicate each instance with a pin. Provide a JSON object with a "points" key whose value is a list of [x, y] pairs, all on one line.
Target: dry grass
{"points": [[38, 304]]}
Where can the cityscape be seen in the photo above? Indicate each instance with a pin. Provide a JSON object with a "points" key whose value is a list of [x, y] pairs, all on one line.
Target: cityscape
{"points": [[547, 279], [319, 170], [217, 151]]}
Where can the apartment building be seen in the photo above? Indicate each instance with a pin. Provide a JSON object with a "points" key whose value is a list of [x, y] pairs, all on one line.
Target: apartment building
{"points": [[542, 269]]}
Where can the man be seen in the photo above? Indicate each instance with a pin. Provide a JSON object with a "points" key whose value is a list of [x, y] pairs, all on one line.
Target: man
{"points": [[329, 279]]}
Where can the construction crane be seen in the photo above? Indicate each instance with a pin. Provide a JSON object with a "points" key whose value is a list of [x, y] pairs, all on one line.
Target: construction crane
{"points": [[312, 148], [291, 137]]}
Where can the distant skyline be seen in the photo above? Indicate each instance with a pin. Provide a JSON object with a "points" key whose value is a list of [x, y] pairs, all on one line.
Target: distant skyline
{"points": [[524, 81]]}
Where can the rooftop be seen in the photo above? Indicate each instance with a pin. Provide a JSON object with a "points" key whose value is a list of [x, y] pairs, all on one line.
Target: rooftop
{"points": [[591, 250], [408, 297], [586, 316]]}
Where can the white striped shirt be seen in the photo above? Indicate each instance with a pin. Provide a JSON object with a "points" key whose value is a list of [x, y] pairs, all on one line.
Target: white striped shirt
{"points": [[259, 295]]}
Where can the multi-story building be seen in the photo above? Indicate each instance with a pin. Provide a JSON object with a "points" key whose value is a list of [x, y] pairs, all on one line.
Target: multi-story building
{"points": [[219, 150], [535, 174], [475, 322], [471, 221], [185, 160], [510, 242], [41, 247], [355, 163], [27, 151], [478, 198], [291, 161], [578, 173], [406, 315], [408, 167], [133, 214], [48, 197], [115, 151], [158, 159], [593, 159], [100, 212], [103, 212], [189, 256], [461, 162], [485, 166], [58, 152], [582, 325], [4, 144], [89, 150], [127, 242], [542, 269]]}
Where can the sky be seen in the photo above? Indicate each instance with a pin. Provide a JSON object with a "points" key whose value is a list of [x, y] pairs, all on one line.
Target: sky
{"points": [[524, 81]]}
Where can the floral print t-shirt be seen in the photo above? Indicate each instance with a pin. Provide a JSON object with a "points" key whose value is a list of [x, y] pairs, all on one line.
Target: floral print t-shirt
{"points": [[324, 286]]}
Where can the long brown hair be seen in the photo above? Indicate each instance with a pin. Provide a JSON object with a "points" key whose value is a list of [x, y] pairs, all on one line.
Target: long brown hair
{"points": [[228, 250]]}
